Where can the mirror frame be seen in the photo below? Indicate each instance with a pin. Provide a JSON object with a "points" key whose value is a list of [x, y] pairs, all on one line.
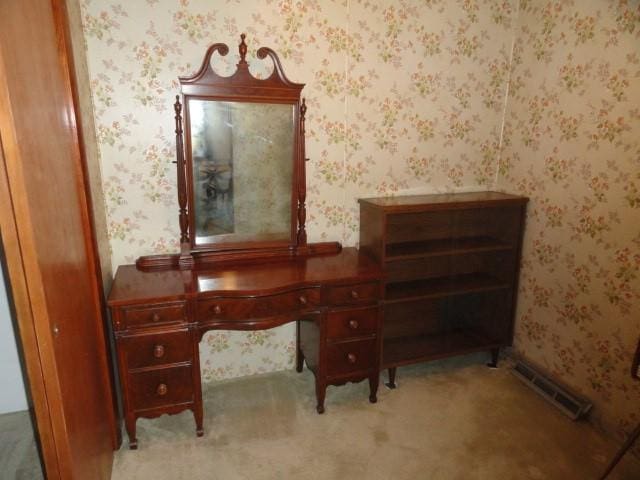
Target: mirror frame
{"points": [[241, 86]]}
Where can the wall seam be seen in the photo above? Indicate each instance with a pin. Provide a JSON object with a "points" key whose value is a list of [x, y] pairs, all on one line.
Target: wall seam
{"points": [[345, 148], [507, 93]]}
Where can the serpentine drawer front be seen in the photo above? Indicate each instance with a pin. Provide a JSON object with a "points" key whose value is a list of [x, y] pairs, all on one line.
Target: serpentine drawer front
{"points": [[160, 316], [241, 308]]}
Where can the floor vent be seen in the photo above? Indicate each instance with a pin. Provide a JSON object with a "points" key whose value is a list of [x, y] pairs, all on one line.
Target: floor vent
{"points": [[570, 404]]}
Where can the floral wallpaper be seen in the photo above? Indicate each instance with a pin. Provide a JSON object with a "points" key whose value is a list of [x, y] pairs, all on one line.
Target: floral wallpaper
{"points": [[410, 96], [402, 96], [572, 144]]}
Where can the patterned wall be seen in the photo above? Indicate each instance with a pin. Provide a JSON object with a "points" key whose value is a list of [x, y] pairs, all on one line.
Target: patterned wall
{"points": [[402, 96], [409, 96], [572, 143]]}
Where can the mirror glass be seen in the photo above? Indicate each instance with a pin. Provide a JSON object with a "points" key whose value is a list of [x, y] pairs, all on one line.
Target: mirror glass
{"points": [[242, 156]]}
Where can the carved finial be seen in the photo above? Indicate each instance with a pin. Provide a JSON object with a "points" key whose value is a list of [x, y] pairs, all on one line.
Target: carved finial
{"points": [[243, 48], [177, 106]]}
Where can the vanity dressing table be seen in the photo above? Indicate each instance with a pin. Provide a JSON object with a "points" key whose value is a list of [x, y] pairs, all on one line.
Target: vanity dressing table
{"points": [[244, 261]]}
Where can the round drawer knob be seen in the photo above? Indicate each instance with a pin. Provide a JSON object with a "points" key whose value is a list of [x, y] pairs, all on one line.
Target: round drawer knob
{"points": [[158, 351], [155, 317], [351, 358], [162, 389], [303, 299], [353, 324], [355, 295], [217, 310]]}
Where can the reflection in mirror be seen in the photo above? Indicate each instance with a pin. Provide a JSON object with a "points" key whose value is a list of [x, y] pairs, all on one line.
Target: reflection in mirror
{"points": [[242, 157]]}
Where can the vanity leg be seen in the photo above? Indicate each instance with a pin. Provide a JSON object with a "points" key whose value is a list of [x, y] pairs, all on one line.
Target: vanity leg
{"points": [[197, 415], [130, 425], [392, 378], [321, 391], [299, 354], [495, 353], [373, 387]]}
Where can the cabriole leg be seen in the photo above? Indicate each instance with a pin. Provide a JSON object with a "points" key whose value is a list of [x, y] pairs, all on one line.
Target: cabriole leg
{"points": [[197, 414], [373, 387], [299, 354], [130, 425], [321, 390]]}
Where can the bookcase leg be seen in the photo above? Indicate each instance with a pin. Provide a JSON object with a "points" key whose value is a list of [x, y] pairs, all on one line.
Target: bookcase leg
{"points": [[392, 378], [495, 353]]}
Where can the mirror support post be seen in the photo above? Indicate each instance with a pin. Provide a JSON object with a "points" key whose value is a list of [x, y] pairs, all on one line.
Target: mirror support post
{"points": [[301, 239], [186, 259]]}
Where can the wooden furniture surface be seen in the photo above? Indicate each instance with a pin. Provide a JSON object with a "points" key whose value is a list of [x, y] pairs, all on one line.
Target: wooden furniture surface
{"points": [[45, 223], [451, 266], [160, 316]]}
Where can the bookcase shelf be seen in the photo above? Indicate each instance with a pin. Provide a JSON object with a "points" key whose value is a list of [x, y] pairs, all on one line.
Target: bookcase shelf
{"points": [[443, 246], [451, 264], [413, 349], [442, 286]]}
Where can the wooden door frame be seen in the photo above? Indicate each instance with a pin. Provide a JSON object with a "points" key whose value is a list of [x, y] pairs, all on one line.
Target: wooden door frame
{"points": [[26, 333], [35, 330]]}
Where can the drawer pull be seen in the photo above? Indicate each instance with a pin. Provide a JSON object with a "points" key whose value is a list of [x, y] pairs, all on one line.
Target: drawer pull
{"points": [[351, 358], [162, 390], [217, 310], [303, 299], [155, 317], [355, 295], [158, 351], [353, 324]]}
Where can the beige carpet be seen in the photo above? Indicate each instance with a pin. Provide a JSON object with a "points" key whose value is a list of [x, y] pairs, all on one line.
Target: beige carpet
{"points": [[19, 458], [454, 419]]}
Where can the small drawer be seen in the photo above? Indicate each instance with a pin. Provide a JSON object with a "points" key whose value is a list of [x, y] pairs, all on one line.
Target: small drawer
{"points": [[145, 316], [157, 349], [241, 308], [352, 294], [161, 388], [351, 357], [352, 322]]}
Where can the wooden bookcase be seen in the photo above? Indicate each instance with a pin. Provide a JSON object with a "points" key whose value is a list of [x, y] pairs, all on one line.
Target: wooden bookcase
{"points": [[451, 266]]}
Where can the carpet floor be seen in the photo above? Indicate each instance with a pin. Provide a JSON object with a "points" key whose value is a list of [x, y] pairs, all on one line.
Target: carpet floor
{"points": [[452, 419], [19, 458]]}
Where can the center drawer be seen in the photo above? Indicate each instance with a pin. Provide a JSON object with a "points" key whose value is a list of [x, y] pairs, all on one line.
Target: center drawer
{"points": [[157, 348], [241, 308], [161, 387]]}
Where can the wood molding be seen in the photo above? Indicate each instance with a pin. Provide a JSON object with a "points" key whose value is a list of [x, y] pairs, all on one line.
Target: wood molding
{"points": [[46, 231], [17, 284]]}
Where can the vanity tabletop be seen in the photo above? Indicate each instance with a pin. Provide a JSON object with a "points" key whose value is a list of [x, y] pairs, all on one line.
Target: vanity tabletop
{"points": [[133, 286]]}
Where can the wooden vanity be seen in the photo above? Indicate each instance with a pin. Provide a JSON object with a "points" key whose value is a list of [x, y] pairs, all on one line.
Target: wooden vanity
{"points": [[244, 261], [159, 318]]}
